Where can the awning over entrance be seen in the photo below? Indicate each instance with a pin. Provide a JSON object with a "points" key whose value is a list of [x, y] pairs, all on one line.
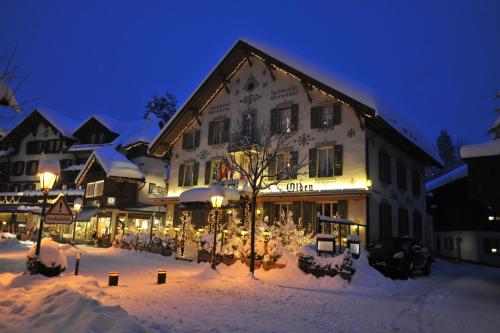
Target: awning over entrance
{"points": [[203, 194], [86, 213]]}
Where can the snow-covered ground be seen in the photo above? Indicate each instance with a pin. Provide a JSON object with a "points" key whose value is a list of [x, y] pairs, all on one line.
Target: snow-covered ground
{"points": [[456, 298]]}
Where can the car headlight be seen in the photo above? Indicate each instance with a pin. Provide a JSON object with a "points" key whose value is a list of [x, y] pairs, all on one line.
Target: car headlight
{"points": [[398, 255]]}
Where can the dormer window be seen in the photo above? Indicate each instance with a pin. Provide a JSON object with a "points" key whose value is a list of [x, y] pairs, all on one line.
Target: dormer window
{"points": [[191, 140]]}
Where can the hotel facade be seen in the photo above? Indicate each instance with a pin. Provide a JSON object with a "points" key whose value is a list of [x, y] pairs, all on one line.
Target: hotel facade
{"points": [[362, 164]]}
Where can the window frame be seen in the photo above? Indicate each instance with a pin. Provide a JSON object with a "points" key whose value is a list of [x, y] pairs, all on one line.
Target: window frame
{"points": [[29, 165], [96, 189], [332, 162]]}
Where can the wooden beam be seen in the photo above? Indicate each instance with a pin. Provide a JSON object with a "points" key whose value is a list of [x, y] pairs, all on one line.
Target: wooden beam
{"points": [[307, 88], [270, 69]]}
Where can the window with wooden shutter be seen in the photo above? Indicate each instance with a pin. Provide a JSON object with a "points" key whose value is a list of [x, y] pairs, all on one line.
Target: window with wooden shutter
{"points": [[384, 166], [316, 117], [181, 175], [208, 172], [401, 174], [417, 226], [403, 222], [385, 220], [294, 126], [34, 147], [337, 113], [196, 169], [325, 161], [338, 160], [31, 168], [211, 133], [196, 139], [313, 163], [274, 121]]}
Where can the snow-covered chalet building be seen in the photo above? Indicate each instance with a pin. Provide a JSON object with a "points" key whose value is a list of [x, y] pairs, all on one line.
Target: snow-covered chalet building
{"points": [[364, 163]]}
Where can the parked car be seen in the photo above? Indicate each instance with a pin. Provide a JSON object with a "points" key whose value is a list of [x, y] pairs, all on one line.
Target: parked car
{"points": [[402, 256]]}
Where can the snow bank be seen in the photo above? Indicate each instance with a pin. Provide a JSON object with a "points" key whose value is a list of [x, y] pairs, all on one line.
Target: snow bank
{"points": [[7, 235], [50, 254]]}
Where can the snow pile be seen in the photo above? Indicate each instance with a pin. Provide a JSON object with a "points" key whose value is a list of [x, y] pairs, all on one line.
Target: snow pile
{"points": [[50, 254], [491, 148], [7, 235], [13, 244]]}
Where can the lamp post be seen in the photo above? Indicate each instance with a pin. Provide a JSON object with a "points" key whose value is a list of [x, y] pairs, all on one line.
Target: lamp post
{"points": [[48, 172], [77, 205], [217, 198]]}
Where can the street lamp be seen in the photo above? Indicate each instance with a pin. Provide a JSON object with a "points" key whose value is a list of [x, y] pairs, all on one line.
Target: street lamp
{"points": [[217, 198], [48, 171], [77, 205]]}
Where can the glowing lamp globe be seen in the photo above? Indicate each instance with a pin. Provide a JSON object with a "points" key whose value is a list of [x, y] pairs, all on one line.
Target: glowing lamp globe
{"points": [[217, 201], [49, 170], [77, 204], [217, 195]]}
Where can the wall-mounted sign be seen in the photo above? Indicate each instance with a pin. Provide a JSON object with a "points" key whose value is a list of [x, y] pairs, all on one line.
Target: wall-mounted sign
{"points": [[111, 201], [299, 187], [284, 92], [59, 212]]}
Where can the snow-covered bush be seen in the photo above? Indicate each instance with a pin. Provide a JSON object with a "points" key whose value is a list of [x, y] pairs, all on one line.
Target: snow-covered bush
{"points": [[51, 261], [291, 236], [274, 251]]}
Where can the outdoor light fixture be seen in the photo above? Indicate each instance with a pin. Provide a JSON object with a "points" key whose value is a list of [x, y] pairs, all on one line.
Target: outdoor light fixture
{"points": [[266, 234], [113, 278], [217, 198], [493, 250], [162, 276], [258, 212], [243, 232], [230, 212], [77, 205], [48, 171], [491, 218]]}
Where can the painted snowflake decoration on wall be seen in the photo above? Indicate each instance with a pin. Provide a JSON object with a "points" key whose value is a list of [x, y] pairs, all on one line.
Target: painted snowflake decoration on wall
{"points": [[251, 84], [351, 132], [303, 140], [203, 154]]}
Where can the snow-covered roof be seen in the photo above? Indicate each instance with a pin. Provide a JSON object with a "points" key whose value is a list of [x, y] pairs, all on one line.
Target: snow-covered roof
{"points": [[382, 108], [141, 131], [88, 147], [491, 148], [455, 174], [114, 125], [113, 163], [203, 194]]}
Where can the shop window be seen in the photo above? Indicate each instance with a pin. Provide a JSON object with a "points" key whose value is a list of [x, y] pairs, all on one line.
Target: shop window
{"points": [[281, 208], [218, 131], [384, 166], [94, 189], [285, 120], [385, 220], [17, 168], [415, 183], [403, 222], [52, 146], [491, 246], [188, 174], [31, 168], [190, 140], [326, 116], [34, 147], [401, 175]]}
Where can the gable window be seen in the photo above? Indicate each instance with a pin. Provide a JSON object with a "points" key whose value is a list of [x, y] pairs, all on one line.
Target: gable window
{"points": [[188, 174], [325, 116], [52, 146], [285, 120], [31, 168], [218, 131], [415, 183], [94, 189], [190, 140], [401, 175], [384, 166], [34, 147], [17, 168], [326, 161]]}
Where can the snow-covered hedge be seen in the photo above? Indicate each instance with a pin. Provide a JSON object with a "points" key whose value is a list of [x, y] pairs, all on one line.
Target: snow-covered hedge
{"points": [[50, 254]]}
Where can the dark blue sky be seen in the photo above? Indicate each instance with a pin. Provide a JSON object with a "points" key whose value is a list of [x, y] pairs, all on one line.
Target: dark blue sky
{"points": [[436, 61]]}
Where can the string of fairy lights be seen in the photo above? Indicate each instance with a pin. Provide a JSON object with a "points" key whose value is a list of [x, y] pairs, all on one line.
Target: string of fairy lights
{"points": [[228, 78]]}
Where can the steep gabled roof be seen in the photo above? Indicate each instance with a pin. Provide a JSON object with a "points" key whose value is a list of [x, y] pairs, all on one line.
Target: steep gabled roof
{"points": [[114, 164], [144, 131], [113, 125], [379, 116], [61, 123]]}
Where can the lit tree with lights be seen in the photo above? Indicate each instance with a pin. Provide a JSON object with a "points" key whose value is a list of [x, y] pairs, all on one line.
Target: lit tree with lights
{"points": [[253, 150]]}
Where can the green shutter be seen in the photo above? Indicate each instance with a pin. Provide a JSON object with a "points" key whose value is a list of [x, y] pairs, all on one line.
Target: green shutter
{"points": [[337, 113], [342, 208], [211, 133], [196, 169], [316, 117], [196, 139], [338, 151], [227, 127], [208, 172], [271, 171], [181, 175], [312, 163], [295, 118], [294, 161], [274, 121]]}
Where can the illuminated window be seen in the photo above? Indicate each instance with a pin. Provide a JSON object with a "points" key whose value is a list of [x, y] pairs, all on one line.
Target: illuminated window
{"points": [[325, 162], [94, 189]]}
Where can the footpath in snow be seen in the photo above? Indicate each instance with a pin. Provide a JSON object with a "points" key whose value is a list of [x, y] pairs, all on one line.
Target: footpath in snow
{"points": [[456, 298]]}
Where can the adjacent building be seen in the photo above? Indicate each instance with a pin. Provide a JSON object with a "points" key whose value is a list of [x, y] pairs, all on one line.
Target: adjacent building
{"points": [[365, 164]]}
